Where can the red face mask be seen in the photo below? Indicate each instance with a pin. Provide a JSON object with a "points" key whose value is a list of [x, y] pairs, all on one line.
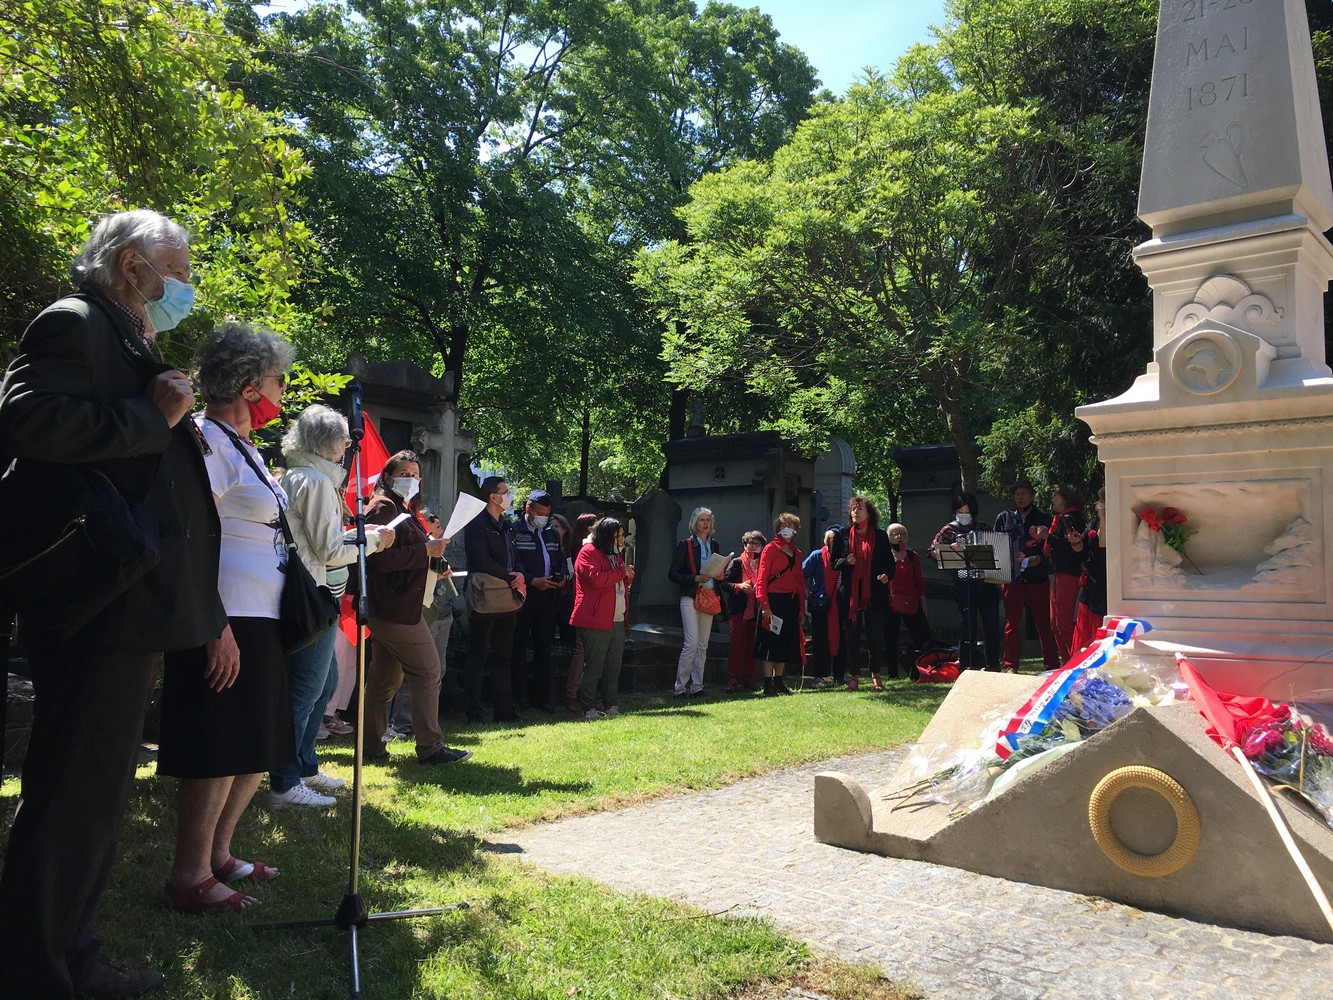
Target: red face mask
{"points": [[262, 411]]}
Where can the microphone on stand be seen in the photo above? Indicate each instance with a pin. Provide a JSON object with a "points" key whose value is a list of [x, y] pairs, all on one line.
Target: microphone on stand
{"points": [[355, 421]]}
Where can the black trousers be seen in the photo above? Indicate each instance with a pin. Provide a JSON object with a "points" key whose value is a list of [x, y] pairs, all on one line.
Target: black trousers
{"points": [[534, 626], [871, 620], [917, 627], [984, 601], [490, 645], [77, 776]]}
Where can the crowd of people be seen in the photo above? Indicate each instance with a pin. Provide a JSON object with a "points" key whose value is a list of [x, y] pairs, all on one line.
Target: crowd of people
{"points": [[87, 395], [1056, 574]]}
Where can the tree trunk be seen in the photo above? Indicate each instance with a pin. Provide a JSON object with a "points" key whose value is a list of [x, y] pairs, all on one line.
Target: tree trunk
{"points": [[969, 456], [680, 401], [583, 453]]}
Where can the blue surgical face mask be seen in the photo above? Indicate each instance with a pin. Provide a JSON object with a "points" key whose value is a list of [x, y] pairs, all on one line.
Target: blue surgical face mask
{"points": [[964, 519], [175, 303]]}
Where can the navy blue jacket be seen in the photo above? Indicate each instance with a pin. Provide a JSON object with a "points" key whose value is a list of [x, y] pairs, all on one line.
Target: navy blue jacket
{"points": [[528, 545]]}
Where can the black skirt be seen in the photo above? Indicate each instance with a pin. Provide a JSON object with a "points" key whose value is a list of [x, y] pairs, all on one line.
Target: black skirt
{"points": [[244, 729], [785, 647]]}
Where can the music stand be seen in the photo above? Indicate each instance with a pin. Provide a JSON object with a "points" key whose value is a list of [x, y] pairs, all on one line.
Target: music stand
{"points": [[352, 914], [967, 558]]}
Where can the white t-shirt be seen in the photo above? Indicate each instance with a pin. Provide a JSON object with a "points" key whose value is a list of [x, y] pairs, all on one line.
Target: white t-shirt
{"points": [[250, 563]]}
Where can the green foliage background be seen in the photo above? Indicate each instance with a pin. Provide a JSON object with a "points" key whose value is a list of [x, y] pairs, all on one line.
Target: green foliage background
{"points": [[592, 212]]}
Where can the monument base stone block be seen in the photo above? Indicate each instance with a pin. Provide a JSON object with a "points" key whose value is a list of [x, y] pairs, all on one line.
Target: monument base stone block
{"points": [[1039, 831]]}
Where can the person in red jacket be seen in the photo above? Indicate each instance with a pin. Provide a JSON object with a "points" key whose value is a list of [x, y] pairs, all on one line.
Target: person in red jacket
{"points": [[601, 589], [780, 593], [907, 598]]}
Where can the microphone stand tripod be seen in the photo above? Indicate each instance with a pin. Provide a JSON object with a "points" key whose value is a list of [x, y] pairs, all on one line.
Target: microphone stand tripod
{"points": [[352, 914], [970, 557]]}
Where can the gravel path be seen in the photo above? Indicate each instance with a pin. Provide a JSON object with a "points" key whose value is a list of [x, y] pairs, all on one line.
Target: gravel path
{"points": [[948, 932]]}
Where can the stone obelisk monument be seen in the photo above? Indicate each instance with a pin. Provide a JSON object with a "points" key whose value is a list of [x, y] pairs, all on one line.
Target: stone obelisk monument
{"points": [[1232, 422]]}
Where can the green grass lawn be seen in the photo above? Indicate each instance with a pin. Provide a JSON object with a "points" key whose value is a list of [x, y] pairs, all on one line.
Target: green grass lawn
{"points": [[524, 934]]}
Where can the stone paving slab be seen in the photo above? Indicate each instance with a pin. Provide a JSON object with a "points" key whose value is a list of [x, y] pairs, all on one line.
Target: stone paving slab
{"points": [[749, 848]]}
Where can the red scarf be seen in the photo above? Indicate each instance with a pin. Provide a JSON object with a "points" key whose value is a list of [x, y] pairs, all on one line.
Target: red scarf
{"points": [[1056, 529], [860, 543], [830, 589], [750, 575]]}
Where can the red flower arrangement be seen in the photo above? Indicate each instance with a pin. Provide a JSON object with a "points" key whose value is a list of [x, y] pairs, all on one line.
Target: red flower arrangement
{"points": [[1171, 523]]}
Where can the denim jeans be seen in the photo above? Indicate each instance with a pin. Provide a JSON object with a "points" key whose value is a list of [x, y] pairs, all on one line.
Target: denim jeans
{"points": [[312, 677]]}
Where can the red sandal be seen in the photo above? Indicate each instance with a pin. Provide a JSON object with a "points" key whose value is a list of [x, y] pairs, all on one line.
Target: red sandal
{"points": [[194, 901], [875, 683], [236, 870]]}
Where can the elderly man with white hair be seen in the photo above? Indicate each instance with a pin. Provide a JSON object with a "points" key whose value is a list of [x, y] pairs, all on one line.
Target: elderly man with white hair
{"points": [[86, 395]]}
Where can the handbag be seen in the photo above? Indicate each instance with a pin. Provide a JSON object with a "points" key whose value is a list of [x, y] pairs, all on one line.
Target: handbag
{"points": [[903, 604], [937, 665], [489, 595], [306, 609], [707, 601], [81, 546]]}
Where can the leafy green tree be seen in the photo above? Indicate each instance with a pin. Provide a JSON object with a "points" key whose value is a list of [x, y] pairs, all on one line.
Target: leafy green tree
{"points": [[107, 105], [484, 172], [854, 253]]}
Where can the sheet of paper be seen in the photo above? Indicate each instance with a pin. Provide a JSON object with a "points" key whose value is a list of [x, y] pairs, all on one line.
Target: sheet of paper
{"points": [[428, 598], [398, 520], [716, 563], [465, 509], [775, 624]]}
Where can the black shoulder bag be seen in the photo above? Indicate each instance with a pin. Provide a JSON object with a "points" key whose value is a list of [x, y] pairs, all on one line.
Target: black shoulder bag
{"points": [[306, 610]]}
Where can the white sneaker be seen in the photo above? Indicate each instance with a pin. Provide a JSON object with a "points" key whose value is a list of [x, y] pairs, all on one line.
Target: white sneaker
{"points": [[299, 796], [612, 712], [592, 715], [322, 782]]}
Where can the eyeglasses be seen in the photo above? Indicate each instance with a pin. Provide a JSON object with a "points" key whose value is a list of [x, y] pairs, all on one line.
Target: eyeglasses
{"points": [[280, 376]]}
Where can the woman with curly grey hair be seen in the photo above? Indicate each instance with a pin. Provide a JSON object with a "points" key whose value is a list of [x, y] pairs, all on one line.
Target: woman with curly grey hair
{"points": [[219, 738], [313, 448]]}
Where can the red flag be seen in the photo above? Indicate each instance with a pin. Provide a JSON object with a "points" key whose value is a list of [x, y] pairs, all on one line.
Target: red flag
{"points": [[373, 456], [1229, 716], [347, 617]]}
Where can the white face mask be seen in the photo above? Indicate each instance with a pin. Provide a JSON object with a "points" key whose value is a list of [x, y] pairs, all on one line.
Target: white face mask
{"points": [[787, 533], [964, 519], [506, 501], [406, 487], [540, 521]]}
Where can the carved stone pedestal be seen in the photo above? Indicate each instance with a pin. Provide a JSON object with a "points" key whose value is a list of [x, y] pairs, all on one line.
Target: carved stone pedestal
{"points": [[1231, 424]]}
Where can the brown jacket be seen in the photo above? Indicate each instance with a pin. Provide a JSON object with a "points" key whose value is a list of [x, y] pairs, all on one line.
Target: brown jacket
{"points": [[396, 577]]}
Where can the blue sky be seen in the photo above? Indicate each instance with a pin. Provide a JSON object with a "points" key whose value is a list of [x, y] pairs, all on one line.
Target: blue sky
{"points": [[841, 36]]}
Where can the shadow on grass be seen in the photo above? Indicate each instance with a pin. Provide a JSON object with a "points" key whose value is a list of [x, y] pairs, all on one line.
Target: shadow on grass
{"points": [[467, 776]]}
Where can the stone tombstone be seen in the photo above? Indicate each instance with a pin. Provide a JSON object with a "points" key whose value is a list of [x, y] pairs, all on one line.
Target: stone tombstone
{"points": [[413, 409], [1231, 423], [834, 471], [654, 598], [930, 480], [745, 479]]}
